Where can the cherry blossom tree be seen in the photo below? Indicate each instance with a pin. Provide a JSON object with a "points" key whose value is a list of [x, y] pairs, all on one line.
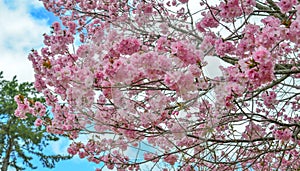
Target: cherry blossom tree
{"points": [[131, 75]]}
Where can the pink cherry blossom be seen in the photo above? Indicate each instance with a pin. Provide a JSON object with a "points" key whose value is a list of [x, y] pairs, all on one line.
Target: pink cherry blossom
{"points": [[141, 83], [286, 5], [183, 1], [129, 46], [38, 122]]}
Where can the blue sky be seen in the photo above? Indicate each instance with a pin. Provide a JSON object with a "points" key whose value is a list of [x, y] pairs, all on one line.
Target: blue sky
{"points": [[75, 164], [23, 23]]}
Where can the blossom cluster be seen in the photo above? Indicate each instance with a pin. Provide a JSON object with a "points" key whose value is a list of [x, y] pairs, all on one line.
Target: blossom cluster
{"points": [[138, 82]]}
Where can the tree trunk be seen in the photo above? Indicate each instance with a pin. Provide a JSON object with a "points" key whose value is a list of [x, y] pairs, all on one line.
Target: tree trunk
{"points": [[7, 156]]}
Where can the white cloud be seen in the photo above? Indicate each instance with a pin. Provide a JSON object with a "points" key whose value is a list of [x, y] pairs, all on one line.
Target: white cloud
{"points": [[212, 68], [37, 4], [19, 33], [60, 146]]}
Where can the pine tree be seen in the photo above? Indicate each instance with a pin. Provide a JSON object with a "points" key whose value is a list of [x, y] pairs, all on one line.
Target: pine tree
{"points": [[20, 140]]}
